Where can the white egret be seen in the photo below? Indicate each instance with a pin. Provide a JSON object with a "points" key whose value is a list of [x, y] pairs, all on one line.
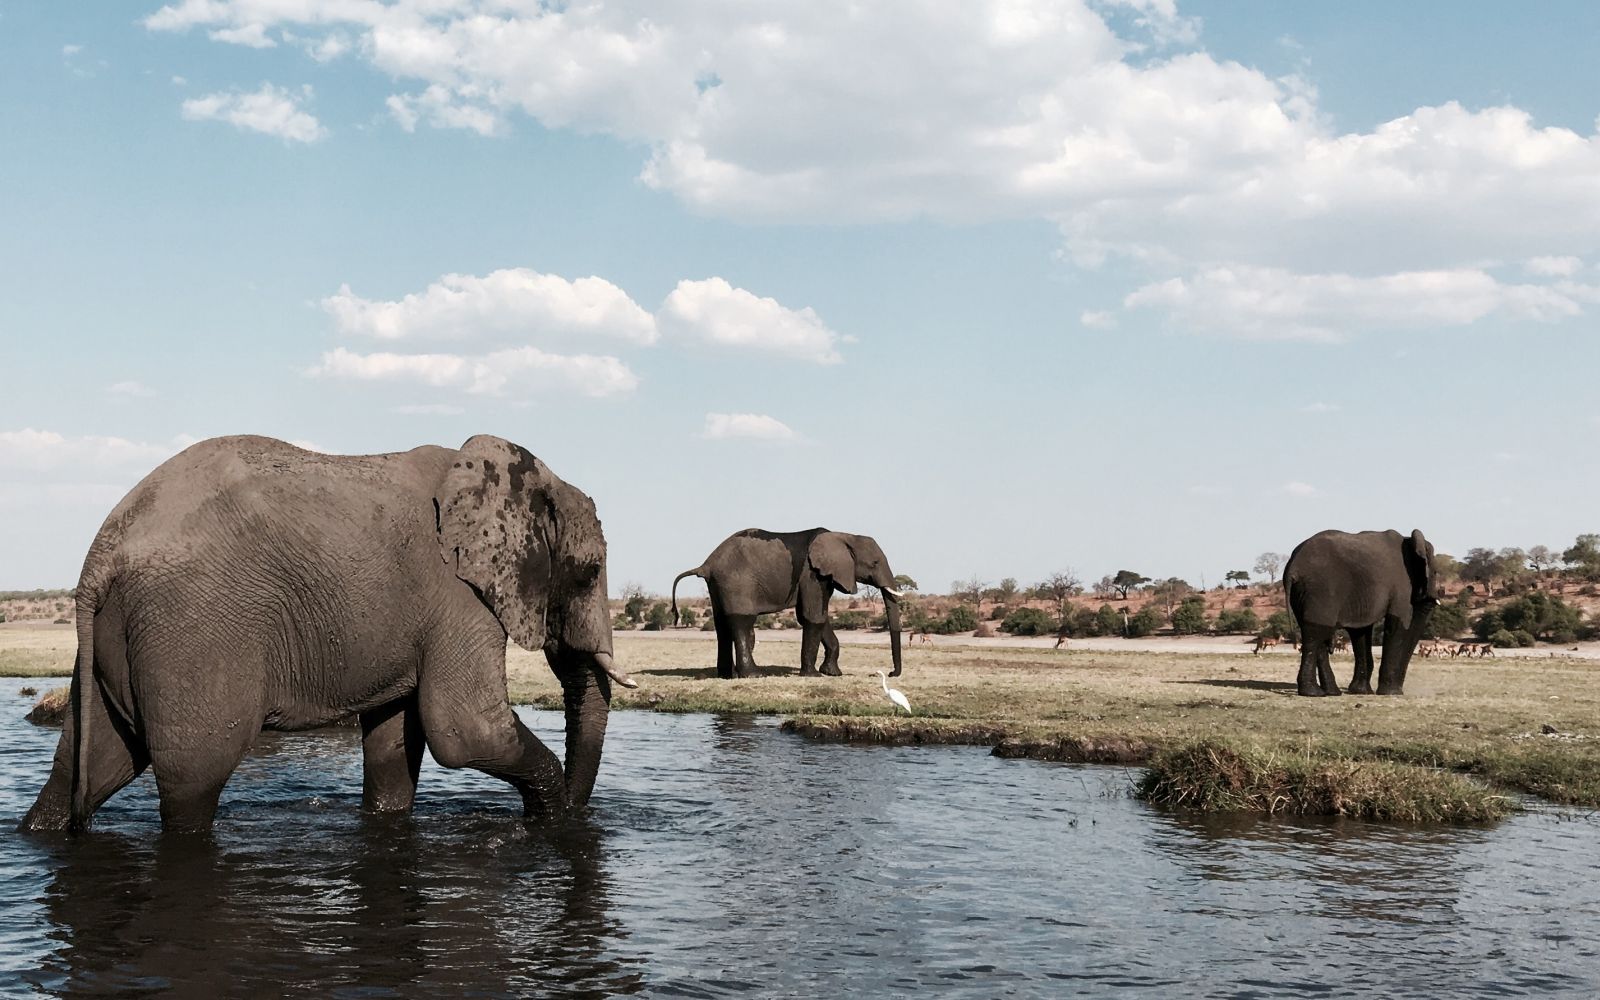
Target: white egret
{"points": [[895, 694]]}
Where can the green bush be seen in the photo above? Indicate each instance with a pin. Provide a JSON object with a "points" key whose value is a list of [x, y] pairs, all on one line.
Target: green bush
{"points": [[998, 613], [1241, 622], [766, 621], [1189, 618], [1281, 625], [1146, 622], [960, 619], [1538, 614], [688, 617], [622, 623], [851, 620], [1524, 638], [1447, 622], [709, 625], [658, 617], [1109, 621], [1029, 621], [1503, 639]]}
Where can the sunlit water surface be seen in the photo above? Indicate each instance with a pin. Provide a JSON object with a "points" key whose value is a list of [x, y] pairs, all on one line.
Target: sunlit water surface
{"points": [[724, 857]]}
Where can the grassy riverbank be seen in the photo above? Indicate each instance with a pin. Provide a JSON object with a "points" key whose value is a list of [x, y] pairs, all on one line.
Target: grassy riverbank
{"points": [[1465, 733]]}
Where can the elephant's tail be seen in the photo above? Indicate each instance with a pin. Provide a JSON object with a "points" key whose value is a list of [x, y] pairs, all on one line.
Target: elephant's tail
{"points": [[82, 677], [699, 571]]}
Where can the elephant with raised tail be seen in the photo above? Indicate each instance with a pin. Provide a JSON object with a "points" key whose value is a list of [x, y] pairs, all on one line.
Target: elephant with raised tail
{"points": [[248, 584], [1341, 580], [755, 572]]}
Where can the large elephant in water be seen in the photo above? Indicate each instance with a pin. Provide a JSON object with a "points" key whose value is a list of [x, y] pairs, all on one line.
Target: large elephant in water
{"points": [[1336, 579], [755, 572], [247, 584]]}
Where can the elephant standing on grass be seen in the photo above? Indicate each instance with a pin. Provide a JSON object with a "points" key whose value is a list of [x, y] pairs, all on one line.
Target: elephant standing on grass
{"points": [[246, 583], [755, 572], [1336, 580]]}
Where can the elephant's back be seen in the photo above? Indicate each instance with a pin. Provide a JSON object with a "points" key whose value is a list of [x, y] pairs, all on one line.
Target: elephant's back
{"points": [[755, 572], [1342, 578]]}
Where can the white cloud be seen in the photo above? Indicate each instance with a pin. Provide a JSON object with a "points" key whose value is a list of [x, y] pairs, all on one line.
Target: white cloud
{"points": [[131, 390], [1299, 489], [1260, 303], [430, 410], [250, 35], [1103, 117], [71, 50], [517, 371], [715, 312], [757, 426], [1553, 267], [28, 452], [270, 110], [515, 301], [1098, 319]]}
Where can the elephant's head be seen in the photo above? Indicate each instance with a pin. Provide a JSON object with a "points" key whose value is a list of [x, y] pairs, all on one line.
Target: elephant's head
{"points": [[531, 548], [1418, 554], [844, 560]]}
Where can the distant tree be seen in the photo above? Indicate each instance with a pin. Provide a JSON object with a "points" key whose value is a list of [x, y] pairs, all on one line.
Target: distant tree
{"points": [[1281, 625], [1584, 556], [688, 617], [1486, 566], [1268, 564], [1108, 620], [1105, 588], [1007, 591], [1447, 566], [1540, 558], [904, 583], [1058, 587], [1189, 618], [658, 617], [969, 590], [1513, 565], [1126, 580], [960, 619], [1146, 622], [1240, 622], [1238, 577], [635, 600], [1169, 592], [1029, 621]]}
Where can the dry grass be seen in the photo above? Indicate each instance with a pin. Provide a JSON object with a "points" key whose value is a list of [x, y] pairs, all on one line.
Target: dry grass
{"points": [[37, 649]]}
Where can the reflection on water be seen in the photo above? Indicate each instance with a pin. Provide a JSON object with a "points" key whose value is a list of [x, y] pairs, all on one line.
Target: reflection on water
{"points": [[725, 858]]}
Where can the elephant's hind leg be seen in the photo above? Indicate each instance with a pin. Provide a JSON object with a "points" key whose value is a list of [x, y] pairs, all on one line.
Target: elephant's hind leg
{"points": [[724, 629], [744, 644], [116, 757], [1316, 675], [1361, 649], [391, 750]]}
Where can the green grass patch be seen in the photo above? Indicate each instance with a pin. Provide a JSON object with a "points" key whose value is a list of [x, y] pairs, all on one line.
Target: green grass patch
{"points": [[1216, 776]]}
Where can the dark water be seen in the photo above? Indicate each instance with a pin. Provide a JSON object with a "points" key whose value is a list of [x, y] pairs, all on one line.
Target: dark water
{"points": [[727, 858]]}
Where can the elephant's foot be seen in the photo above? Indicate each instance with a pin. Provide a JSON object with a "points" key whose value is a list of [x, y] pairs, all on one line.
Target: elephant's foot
{"points": [[809, 672], [1312, 692], [1390, 690], [1359, 689], [832, 670]]}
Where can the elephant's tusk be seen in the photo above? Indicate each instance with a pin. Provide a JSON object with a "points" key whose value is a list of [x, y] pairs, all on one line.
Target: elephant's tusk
{"points": [[616, 673], [891, 592]]}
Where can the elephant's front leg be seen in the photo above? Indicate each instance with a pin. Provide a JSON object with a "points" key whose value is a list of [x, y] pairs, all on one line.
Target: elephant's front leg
{"points": [[830, 654], [391, 749], [1361, 649], [1397, 644], [810, 641]]}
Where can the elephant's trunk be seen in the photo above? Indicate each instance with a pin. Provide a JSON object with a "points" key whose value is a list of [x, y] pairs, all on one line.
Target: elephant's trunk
{"points": [[891, 613], [586, 693]]}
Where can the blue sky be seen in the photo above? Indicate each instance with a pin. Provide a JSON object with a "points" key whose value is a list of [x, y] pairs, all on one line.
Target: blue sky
{"points": [[1013, 286]]}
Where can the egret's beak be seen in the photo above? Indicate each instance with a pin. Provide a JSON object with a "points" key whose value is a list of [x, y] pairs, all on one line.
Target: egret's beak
{"points": [[613, 671]]}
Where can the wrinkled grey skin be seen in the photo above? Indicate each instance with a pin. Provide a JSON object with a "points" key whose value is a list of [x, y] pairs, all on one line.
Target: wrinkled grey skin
{"points": [[755, 572], [1336, 579], [247, 584]]}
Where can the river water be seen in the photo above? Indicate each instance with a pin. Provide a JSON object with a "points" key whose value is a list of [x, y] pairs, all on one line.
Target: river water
{"points": [[726, 858]]}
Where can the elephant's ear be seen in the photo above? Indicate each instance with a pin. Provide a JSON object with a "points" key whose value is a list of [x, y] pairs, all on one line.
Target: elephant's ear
{"points": [[494, 518], [831, 556], [1424, 554]]}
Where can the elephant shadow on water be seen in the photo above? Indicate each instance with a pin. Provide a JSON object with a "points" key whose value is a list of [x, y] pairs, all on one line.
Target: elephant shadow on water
{"points": [[389, 904]]}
